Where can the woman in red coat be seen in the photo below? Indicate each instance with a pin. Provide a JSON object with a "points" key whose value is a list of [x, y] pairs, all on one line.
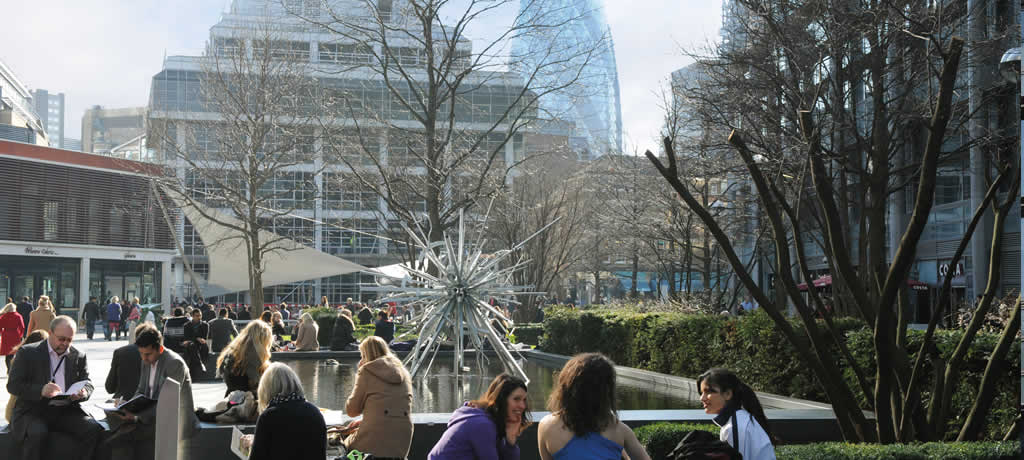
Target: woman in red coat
{"points": [[12, 328]]}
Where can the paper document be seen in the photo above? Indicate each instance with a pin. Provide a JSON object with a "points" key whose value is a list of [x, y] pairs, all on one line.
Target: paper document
{"points": [[236, 444], [61, 398]]}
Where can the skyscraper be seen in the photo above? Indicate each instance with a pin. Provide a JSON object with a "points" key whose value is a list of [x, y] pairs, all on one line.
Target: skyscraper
{"points": [[50, 108], [589, 99]]}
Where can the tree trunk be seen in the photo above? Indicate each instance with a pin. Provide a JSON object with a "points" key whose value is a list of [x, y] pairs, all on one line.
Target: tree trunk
{"points": [[978, 415]]}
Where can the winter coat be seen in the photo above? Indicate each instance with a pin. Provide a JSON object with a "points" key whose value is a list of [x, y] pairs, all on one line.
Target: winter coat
{"points": [[472, 435], [383, 395], [306, 338], [40, 319], [12, 329]]}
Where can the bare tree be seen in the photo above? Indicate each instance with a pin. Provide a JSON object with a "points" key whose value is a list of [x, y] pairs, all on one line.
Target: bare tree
{"points": [[437, 123], [247, 149]]}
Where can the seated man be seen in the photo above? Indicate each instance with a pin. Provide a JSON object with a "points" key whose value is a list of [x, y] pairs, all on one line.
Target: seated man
{"points": [[174, 330], [197, 332], [137, 432], [40, 372], [123, 378], [384, 328]]}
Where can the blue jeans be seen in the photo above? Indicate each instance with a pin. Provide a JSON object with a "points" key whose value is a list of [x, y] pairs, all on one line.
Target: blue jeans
{"points": [[106, 330], [90, 328]]}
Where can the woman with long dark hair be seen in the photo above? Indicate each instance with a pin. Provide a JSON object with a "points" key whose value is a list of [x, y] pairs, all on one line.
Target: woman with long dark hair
{"points": [[738, 412], [583, 423], [487, 429]]}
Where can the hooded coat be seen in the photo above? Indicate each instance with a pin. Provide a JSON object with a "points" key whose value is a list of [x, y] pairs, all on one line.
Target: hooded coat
{"points": [[383, 395], [472, 435]]}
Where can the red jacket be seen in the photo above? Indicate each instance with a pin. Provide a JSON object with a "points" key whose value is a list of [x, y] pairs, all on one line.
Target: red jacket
{"points": [[12, 328]]}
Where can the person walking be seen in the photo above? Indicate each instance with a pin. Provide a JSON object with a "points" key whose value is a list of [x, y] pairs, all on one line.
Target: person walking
{"points": [[90, 314], [738, 412], [12, 329], [42, 316], [25, 310]]}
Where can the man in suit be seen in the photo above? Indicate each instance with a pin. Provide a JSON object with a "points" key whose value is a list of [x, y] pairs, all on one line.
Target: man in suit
{"points": [[125, 367], [25, 310], [222, 330], [42, 371], [90, 314], [196, 343], [136, 437]]}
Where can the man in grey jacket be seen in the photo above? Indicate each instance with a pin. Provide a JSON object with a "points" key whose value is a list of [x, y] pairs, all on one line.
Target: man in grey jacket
{"points": [[158, 364]]}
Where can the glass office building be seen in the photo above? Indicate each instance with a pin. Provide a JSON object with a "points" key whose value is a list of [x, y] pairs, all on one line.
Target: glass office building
{"points": [[590, 99]]}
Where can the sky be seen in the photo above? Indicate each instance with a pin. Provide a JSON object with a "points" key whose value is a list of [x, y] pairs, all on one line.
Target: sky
{"points": [[105, 52]]}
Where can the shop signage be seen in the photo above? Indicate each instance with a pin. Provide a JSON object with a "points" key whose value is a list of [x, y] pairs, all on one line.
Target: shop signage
{"points": [[129, 255], [956, 272], [40, 251]]}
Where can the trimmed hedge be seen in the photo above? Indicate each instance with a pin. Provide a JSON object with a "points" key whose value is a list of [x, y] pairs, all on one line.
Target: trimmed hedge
{"points": [[933, 450], [528, 333], [660, 438], [689, 344]]}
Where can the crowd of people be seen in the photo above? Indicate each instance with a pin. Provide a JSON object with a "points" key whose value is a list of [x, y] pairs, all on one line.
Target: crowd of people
{"points": [[583, 422]]}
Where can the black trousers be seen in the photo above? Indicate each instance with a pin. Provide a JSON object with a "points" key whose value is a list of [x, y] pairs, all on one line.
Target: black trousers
{"points": [[195, 354], [32, 429]]}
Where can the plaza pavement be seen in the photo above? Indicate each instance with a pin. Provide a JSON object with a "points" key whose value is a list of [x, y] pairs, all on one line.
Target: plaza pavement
{"points": [[99, 353]]}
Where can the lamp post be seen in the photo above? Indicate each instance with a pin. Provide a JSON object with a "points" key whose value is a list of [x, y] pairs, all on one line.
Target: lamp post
{"points": [[1010, 68]]}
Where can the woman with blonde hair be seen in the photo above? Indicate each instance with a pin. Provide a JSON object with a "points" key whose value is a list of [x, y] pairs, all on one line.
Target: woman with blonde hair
{"points": [[288, 426], [40, 318], [306, 339], [242, 362], [12, 329], [383, 396]]}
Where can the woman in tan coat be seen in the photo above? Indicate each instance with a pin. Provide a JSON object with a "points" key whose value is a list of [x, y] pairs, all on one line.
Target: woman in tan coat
{"points": [[39, 319], [383, 395], [306, 337]]}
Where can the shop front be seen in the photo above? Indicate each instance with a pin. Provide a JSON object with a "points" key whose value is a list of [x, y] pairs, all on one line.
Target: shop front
{"points": [[70, 274]]}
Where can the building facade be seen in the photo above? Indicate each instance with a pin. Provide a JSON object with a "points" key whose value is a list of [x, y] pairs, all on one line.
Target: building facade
{"points": [[75, 225], [50, 108], [104, 129], [18, 118], [590, 100], [337, 216]]}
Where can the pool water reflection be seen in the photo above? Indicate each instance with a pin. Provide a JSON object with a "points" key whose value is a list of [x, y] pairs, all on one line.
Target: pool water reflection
{"points": [[328, 384]]}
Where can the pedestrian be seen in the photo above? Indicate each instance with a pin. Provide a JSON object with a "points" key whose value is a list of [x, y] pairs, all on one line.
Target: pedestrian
{"points": [[738, 412], [42, 316], [12, 329], [134, 314], [222, 330], [113, 319], [25, 310], [90, 314]]}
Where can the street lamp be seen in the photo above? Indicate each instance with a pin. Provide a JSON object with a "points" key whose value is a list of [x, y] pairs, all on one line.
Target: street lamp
{"points": [[1009, 65]]}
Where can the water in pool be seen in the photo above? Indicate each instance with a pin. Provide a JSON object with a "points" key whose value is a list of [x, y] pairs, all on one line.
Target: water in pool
{"points": [[328, 384]]}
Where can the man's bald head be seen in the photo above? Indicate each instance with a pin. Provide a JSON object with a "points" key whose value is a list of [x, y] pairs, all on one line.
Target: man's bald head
{"points": [[62, 332]]}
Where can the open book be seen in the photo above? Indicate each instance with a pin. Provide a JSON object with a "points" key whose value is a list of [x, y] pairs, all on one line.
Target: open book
{"points": [[134, 405], [71, 391]]}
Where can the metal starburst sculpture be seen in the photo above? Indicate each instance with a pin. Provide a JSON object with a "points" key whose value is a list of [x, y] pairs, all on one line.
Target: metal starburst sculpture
{"points": [[451, 281]]}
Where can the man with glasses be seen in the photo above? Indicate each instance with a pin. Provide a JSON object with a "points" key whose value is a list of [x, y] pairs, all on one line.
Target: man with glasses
{"points": [[42, 375]]}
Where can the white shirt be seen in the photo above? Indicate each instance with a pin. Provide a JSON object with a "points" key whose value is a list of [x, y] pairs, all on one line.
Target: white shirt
{"points": [[55, 360], [152, 380], [754, 442]]}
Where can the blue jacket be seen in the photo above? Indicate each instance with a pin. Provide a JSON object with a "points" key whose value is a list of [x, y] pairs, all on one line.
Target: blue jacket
{"points": [[472, 435], [114, 312]]}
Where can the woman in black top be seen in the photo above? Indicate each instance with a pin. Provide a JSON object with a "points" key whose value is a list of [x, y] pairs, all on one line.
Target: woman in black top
{"points": [[344, 331], [289, 426], [241, 364]]}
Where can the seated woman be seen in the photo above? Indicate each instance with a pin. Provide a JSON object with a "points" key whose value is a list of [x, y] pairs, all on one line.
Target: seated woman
{"points": [[383, 396], [305, 339], [344, 331], [277, 325], [242, 362], [487, 429], [288, 425], [583, 423], [738, 412]]}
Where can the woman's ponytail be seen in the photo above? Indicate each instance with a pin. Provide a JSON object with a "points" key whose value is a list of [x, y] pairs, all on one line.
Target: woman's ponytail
{"points": [[750, 403]]}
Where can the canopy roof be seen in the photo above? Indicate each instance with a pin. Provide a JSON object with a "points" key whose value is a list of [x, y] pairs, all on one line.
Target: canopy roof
{"points": [[290, 262]]}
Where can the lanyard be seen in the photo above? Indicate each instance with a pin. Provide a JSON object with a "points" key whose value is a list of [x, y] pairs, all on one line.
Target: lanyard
{"points": [[53, 378]]}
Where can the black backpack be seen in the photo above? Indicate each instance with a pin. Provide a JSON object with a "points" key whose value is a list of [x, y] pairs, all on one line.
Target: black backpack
{"points": [[703, 445]]}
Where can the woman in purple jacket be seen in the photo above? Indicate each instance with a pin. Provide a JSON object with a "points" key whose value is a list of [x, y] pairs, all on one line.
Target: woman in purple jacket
{"points": [[487, 429]]}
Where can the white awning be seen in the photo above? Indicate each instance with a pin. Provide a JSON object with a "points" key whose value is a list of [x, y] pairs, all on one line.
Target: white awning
{"points": [[228, 259]]}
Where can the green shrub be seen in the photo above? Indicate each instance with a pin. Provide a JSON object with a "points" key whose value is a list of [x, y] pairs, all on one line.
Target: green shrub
{"points": [[688, 344], [528, 333], [931, 450], [660, 438]]}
